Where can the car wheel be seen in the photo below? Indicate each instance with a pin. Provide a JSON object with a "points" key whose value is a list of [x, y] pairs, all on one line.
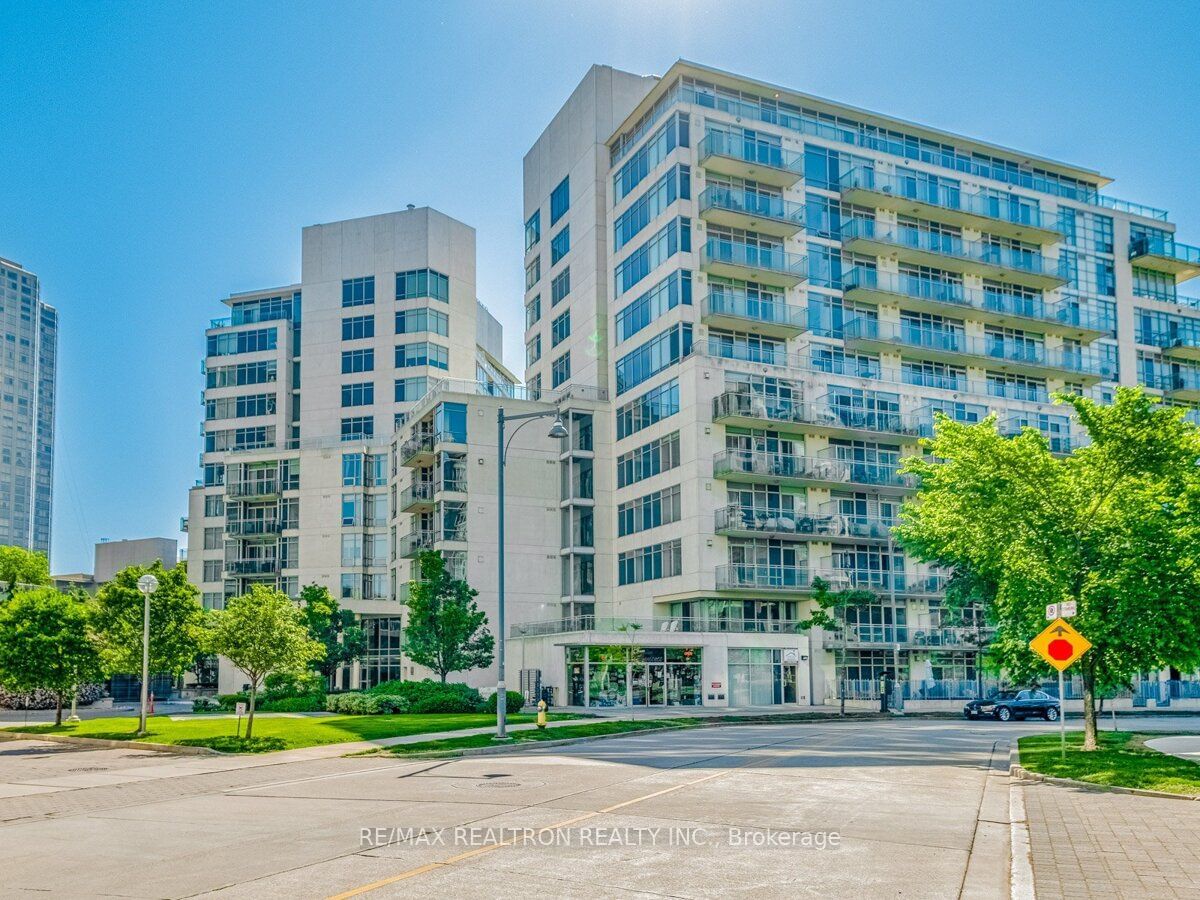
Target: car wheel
{"points": [[1004, 714], [1052, 714]]}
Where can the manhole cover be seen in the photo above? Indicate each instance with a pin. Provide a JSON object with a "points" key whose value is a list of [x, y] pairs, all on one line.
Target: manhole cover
{"points": [[499, 784], [90, 769]]}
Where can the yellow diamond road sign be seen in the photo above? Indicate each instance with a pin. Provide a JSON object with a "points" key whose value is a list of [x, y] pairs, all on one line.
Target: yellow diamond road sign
{"points": [[1060, 644]]}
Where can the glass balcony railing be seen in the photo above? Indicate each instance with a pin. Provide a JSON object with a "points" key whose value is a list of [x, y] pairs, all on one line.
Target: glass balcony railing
{"points": [[736, 404], [1000, 206], [883, 582], [261, 487], [766, 464], [753, 204], [1068, 313], [1187, 380], [776, 522], [763, 577], [952, 246], [1164, 246], [756, 256], [752, 151], [1081, 361], [828, 412], [252, 566], [757, 308], [256, 527]]}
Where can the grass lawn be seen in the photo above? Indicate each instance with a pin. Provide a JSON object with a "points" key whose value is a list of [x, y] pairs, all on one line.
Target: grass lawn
{"points": [[592, 729], [274, 733], [1123, 760]]}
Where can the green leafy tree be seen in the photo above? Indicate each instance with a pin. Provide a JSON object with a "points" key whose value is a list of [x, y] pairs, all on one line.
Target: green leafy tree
{"points": [[262, 632], [45, 644], [445, 630], [176, 621], [19, 566], [1114, 526], [336, 628]]}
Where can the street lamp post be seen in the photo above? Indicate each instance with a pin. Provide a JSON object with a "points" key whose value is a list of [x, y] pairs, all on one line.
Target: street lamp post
{"points": [[147, 584], [557, 430]]}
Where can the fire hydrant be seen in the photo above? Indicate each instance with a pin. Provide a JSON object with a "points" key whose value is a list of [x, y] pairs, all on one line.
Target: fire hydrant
{"points": [[541, 722]]}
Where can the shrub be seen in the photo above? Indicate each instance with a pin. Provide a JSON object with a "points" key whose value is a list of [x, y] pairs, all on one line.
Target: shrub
{"points": [[206, 704], [43, 699], [279, 685], [229, 701], [353, 703], [430, 696], [305, 703], [516, 700]]}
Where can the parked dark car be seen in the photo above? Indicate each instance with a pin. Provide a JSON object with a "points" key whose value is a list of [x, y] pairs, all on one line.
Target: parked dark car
{"points": [[1006, 705]]}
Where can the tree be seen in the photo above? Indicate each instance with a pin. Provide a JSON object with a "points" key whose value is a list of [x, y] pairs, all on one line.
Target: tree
{"points": [[176, 621], [261, 633], [19, 566], [446, 631], [335, 628], [1114, 526], [45, 644]]}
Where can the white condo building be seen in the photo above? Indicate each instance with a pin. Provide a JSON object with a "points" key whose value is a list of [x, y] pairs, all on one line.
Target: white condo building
{"points": [[304, 385]]}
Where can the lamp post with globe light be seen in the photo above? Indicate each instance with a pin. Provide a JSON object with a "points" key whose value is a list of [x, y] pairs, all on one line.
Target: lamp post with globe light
{"points": [[557, 430]]}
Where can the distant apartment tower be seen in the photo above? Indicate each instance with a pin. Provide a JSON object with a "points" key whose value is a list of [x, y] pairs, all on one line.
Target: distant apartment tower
{"points": [[304, 387], [113, 556], [27, 403], [779, 292]]}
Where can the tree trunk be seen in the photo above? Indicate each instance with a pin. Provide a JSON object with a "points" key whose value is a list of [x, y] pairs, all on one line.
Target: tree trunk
{"points": [[58, 709], [442, 675], [250, 717], [1089, 705]]}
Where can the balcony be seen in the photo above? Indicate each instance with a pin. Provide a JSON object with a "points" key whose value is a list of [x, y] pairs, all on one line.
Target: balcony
{"points": [[1059, 438], [751, 159], [765, 467], [955, 346], [858, 526], [250, 567], [251, 528], [1179, 346], [905, 584], [417, 497], [747, 521], [1161, 253], [260, 488], [995, 212], [664, 624], [421, 449], [751, 210], [1182, 385], [923, 247], [921, 293], [753, 262], [840, 420], [751, 410], [413, 543], [911, 637], [737, 310], [775, 578]]}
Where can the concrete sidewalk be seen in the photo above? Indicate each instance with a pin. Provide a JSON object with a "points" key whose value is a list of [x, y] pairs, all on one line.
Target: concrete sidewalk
{"points": [[1185, 746]]}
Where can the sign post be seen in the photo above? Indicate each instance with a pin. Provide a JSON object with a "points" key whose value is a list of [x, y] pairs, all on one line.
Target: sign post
{"points": [[1060, 645], [240, 709]]}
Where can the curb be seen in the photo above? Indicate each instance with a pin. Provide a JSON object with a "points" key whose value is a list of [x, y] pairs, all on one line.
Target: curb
{"points": [[1022, 774], [182, 750]]}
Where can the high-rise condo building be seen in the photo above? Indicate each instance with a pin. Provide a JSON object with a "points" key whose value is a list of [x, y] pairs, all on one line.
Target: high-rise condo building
{"points": [[304, 385], [778, 292], [27, 406]]}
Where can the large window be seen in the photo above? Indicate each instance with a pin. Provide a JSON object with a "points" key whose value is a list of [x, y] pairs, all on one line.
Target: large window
{"points": [[643, 462], [652, 510], [560, 329], [649, 563], [358, 428], [653, 406], [409, 390], [450, 421], [674, 133], [358, 361], [560, 244], [422, 353], [533, 230], [242, 342], [533, 312], [560, 370], [422, 283], [358, 394], [560, 286], [674, 185], [358, 327], [652, 357], [434, 321], [533, 272], [560, 200], [673, 290], [358, 291], [674, 237]]}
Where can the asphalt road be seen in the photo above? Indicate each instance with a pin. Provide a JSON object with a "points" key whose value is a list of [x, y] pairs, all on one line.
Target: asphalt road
{"points": [[912, 808]]}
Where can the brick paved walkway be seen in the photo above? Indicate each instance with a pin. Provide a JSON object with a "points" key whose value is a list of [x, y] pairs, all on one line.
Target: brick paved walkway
{"points": [[1095, 844]]}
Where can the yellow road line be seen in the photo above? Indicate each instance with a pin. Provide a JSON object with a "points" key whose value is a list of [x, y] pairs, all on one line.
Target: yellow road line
{"points": [[488, 848]]}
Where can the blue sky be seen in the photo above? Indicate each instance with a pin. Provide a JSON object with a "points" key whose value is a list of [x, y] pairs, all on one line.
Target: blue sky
{"points": [[157, 157]]}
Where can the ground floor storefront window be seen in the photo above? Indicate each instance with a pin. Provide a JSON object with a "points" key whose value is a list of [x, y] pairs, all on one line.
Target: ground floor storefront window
{"points": [[615, 675], [758, 676], [382, 662]]}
